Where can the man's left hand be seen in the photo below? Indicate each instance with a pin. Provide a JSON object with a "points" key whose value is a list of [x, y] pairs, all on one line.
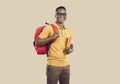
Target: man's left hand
{"points": [[69, 49]]}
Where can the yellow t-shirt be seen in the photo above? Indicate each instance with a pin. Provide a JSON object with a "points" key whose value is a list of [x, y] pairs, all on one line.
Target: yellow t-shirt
{"points": [[56, 54]]}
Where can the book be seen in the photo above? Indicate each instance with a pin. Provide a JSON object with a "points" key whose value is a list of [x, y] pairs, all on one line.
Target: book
{"points": [[69, 42]]}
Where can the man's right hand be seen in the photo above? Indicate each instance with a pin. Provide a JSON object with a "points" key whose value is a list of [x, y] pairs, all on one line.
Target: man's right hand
{"points": [[41, 42], [55, 35]]}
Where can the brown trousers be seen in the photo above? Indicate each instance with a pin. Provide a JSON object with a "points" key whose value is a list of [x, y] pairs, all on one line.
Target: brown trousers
{"points": [[55, 74]]}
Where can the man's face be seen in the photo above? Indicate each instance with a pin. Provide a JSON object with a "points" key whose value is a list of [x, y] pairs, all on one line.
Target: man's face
{"points": [[61, 15]]}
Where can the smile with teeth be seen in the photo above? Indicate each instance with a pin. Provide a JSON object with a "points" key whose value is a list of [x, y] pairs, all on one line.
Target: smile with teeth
{"points": [[61, 18]]}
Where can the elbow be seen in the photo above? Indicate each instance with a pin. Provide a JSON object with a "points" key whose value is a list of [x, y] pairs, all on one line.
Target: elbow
{"points": [[38, 42]]}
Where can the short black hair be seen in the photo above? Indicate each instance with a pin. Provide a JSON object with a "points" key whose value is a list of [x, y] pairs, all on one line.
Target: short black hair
{"points": [[60, 7]]}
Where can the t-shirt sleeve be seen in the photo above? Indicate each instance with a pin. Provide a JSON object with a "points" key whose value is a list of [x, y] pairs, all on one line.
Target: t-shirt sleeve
{"points": [[45, 32], [69, 33], [69, 38]]}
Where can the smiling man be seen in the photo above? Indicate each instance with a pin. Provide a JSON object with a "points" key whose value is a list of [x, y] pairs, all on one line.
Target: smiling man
{"points": [[58, 67]]}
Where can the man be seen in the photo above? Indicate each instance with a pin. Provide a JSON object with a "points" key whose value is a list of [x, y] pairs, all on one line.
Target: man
{"points": [[58, 67]]}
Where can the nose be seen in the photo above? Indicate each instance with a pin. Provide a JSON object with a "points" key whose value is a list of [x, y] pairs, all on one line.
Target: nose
{"points": [[61, 16]]}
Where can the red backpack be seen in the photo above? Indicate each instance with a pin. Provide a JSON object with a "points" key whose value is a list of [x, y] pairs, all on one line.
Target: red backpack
{"points": [[41, 50]]}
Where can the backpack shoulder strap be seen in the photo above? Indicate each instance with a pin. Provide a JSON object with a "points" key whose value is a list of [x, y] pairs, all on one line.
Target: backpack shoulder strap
{"points": [[54, 27], [55, 30]]}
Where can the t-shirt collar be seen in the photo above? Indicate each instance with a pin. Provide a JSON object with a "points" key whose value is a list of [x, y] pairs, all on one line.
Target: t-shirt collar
{"points": [[64, 27]]}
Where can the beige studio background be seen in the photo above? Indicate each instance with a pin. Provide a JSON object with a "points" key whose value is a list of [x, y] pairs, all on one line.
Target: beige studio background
{"points": [[96, 31]]}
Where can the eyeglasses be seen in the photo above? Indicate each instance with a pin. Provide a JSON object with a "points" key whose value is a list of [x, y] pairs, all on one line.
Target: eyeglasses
{"points": [[59, 14]]}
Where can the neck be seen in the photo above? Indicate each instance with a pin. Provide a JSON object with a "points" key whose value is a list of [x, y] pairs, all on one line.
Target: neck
{"points": [[60, 24]]}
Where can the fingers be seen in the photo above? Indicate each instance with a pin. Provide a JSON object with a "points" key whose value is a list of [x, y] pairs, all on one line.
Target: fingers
{"points": [[56, 35], [68, 50]]}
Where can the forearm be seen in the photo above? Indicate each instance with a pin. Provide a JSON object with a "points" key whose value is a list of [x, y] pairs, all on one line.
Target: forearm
{"points": [[42, 42]]}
